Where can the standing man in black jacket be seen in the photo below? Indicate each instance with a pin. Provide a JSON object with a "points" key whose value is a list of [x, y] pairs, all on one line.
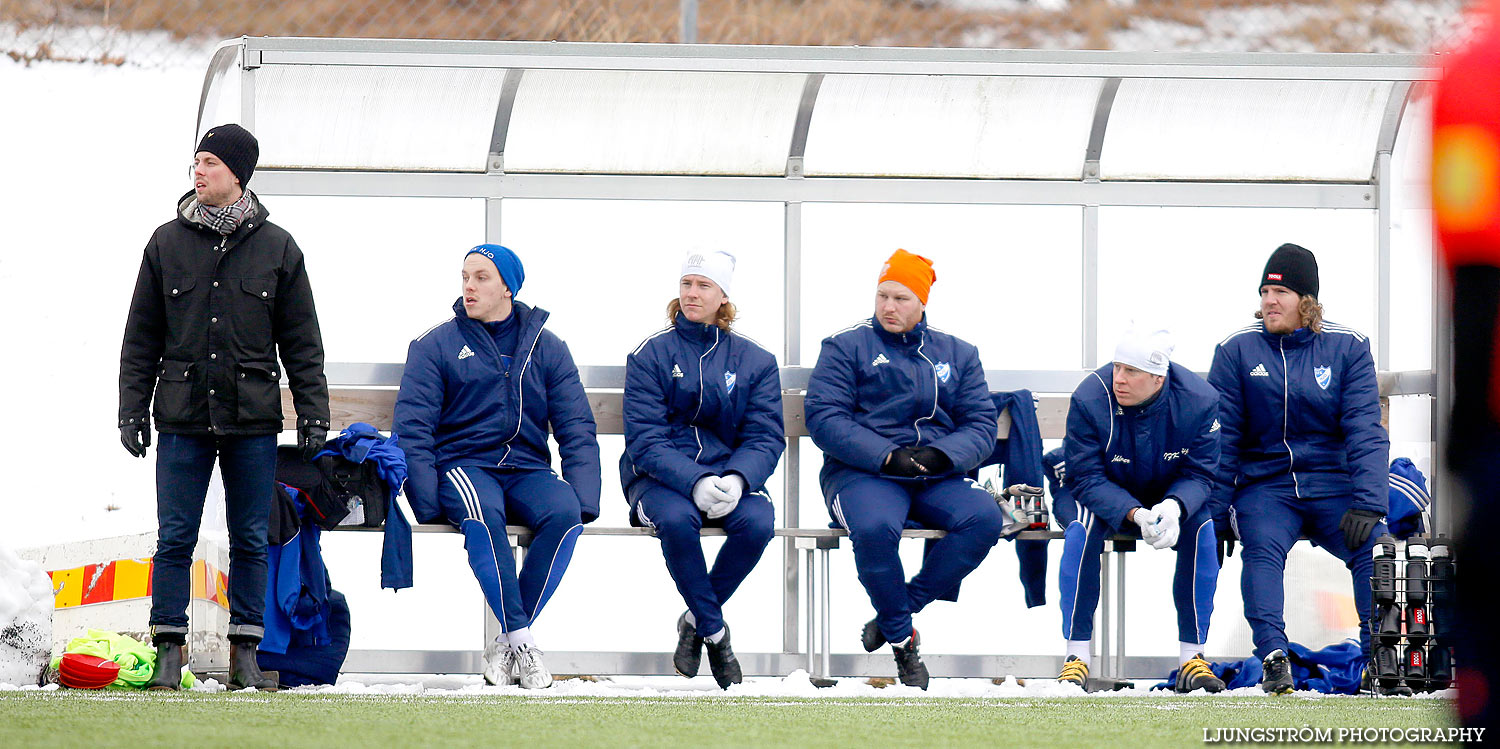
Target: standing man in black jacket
{"points": [[221, 290]]}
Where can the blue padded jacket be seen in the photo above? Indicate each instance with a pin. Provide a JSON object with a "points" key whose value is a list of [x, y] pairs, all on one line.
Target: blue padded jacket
{"points": [[873, 391], [1120, 457], [459, 407], [1301, 408], [701, 402]]}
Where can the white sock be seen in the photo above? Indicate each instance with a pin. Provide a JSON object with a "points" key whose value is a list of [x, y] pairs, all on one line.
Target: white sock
{"points": [[1186, 651], [1084, 649], [715, 637], [903, 643], [522, 636], [691, 620], [503, 638]]}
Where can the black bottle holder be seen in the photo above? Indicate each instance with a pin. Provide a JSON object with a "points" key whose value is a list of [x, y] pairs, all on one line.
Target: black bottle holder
{"points": [[1422, 660]]}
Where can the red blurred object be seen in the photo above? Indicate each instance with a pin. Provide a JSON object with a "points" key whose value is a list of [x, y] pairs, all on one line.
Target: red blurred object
{"points": [[79, 671], [1466, 148]]}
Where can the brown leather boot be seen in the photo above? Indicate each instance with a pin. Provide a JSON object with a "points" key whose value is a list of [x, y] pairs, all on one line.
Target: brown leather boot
{"points": [[168, 674], [244, 671]]}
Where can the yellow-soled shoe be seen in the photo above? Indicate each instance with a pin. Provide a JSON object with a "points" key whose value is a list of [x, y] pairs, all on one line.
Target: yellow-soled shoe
{"points": [[1075, 670], [1196, 674]]}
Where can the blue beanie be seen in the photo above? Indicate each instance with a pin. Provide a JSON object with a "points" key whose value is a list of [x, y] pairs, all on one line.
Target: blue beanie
{"points": [[506, 262]]}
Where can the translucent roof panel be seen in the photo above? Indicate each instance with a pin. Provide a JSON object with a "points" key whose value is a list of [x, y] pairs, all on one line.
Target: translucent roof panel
{"points": [[951, 126], [376, 118], [619, 122], [1321, 131]]}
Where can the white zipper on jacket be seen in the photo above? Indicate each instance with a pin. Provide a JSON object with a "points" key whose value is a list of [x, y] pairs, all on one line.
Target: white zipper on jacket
{"points": [[918, 423], [1291, 458], [696, 435], [521, 394]]}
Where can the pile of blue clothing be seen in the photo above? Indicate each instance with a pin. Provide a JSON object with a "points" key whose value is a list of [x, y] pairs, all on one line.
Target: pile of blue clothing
{"points": [[1335, 669]]}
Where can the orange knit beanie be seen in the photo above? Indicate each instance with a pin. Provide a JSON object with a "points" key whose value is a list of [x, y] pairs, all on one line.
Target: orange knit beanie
{"points": [[910, 270]]}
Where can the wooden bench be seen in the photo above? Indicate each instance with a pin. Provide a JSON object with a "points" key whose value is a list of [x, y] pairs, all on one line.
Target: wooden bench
{"points": [[375, 406]]}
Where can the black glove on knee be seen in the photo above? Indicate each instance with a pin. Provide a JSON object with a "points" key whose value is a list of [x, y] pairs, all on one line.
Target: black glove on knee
{"points": [[1357, 525]]}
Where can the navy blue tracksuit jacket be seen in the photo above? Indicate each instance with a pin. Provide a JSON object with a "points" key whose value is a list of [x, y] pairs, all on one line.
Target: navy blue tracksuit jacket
{"points": [[701, 402], [460, 407], [873, 391], [1122, 457]]}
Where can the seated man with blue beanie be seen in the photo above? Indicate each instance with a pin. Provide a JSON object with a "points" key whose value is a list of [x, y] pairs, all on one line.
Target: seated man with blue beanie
{"points": [[478, 397]]}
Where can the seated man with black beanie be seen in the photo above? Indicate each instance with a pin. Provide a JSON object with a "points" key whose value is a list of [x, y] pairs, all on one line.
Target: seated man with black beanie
{"points": [[1302, 449]]}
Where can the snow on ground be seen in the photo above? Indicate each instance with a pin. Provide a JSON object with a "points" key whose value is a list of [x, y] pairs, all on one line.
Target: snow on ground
{"points": [[796, 685], [25, 619]]}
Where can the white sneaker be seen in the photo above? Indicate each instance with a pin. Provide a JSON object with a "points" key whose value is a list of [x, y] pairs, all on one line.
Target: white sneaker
{"points": [[527, 668], [498, 664]]}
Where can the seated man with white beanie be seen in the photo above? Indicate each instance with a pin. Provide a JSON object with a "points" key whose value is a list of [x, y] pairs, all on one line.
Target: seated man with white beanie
{"points": [[1142, 446]]}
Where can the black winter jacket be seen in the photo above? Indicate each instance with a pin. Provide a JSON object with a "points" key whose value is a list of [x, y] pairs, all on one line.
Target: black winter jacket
{"points": [[209, 314]]}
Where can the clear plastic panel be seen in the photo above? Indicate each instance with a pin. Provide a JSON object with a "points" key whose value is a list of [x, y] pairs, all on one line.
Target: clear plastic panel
{"points": [[1194, 270], [1412, 256], [1007, 276], [385, 271], [606, 269], [378, 118], [1244, 130], [951, 126], [617, 122]]}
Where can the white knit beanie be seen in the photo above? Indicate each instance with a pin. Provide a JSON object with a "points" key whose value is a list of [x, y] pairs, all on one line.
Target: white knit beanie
{"points": [[717, 266], [1146, 348]]}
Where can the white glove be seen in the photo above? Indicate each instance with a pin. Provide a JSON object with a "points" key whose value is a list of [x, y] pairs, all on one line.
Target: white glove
{"points": [[1168, 524], [1146, 519], [731, 484], [733, 487], [706, 493]]}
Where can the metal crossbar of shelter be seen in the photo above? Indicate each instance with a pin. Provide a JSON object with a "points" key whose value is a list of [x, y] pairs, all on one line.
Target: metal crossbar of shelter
{"points": [[793, 126]]}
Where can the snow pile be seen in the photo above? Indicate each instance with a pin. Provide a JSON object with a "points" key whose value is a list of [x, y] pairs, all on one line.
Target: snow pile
{"points": [[25, 620]]}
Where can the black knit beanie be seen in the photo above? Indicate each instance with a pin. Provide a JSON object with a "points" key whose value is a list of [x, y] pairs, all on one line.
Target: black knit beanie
{"points": [[1293, 267], [236, 147]]}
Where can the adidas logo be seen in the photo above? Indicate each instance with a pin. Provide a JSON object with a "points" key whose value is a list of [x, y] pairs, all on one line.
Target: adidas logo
{"points": [[465, 353], [880, 359], [676, 371], [1259, 371]]}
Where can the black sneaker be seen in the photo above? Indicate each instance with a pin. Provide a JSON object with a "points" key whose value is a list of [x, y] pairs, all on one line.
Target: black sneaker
{"points": [[1278, 673], [721, 661], [909, 666], [1196, 674], [871, 637], [689, 653]]}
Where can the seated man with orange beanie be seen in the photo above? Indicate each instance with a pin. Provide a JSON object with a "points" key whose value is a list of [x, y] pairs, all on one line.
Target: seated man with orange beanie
{"points": [[902, 413]]}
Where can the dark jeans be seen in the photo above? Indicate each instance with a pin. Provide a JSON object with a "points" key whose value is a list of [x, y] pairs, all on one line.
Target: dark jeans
{"points": [[184, 464]]}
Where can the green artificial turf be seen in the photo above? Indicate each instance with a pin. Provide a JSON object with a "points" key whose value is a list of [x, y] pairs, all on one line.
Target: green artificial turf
{"points": [[190, 720]]}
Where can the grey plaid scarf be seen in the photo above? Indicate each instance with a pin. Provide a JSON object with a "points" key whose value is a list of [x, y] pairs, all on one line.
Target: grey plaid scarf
{"points": [[225, 219]]}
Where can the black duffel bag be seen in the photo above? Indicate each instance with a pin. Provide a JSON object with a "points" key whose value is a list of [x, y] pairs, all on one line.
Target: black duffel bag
{"points": [[334, 487]]}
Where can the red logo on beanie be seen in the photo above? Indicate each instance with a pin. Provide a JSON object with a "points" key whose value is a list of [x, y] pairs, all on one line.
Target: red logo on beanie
{"points": [[1273, 276]]}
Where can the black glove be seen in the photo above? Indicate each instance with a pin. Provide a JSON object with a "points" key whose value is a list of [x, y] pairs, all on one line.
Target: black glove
{"points": [[1357, 525], [1226, 538], [902, 462], [136, 438], [310, 440], [933, 460]]}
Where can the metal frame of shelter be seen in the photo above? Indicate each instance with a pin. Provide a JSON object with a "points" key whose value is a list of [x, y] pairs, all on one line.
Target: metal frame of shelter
{"points": [[1386, 83]]}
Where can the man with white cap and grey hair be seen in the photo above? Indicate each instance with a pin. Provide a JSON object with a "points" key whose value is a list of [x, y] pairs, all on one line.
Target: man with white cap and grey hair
{"points": [[1142, 446]]}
